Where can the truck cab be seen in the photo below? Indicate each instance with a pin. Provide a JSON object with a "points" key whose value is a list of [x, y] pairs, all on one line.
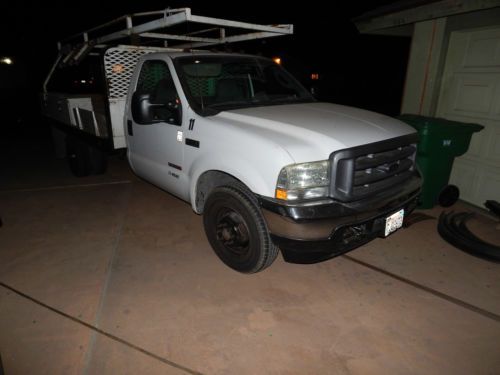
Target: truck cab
{"points": [[268, 167]]}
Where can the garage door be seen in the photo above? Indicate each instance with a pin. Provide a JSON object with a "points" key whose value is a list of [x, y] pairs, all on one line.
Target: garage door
{"points": [[470, 92]]}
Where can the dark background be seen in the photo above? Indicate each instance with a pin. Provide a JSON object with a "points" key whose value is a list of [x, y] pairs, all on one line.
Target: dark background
{"points": [[360, 70]]}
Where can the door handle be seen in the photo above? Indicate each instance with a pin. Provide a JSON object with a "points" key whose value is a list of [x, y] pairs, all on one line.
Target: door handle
{"points": [[130, 129]]}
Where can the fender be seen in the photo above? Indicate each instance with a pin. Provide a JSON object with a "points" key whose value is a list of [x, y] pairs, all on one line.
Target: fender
{"points": [[254, 160], [239, 168]]}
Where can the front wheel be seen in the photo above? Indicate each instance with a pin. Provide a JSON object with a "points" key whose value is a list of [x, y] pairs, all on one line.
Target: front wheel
{"points": [[237, 231]]}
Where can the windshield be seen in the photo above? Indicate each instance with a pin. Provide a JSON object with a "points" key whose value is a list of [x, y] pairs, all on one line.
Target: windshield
{"points": [[216, 83]]}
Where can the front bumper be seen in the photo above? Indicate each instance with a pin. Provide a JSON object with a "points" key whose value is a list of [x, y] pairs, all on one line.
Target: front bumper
{"points": [[312, 232]]}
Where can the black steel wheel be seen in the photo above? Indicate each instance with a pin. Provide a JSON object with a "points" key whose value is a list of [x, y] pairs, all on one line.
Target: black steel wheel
{"points": [[98, 160], [84, 159], [237, 230], [78, 156]]}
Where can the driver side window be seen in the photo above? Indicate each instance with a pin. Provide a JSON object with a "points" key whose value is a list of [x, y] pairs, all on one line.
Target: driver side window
{"points": [[155, 79]]}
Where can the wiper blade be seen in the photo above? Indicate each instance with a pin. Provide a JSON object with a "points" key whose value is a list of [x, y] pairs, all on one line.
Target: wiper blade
{"points": [[230, 103], [291, 99]]}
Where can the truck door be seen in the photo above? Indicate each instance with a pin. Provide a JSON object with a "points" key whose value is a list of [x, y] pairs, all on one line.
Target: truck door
{"points": [[155, 146]]}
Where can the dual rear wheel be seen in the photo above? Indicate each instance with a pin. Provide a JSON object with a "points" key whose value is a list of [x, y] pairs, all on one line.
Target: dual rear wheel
{"points": [[84, 159]]}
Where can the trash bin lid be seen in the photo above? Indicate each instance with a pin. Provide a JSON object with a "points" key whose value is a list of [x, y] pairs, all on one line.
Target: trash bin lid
{"points": [[427, 124], [439, 137]]}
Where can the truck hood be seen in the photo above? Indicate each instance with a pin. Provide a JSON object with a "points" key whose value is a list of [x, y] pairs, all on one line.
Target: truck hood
{"points": [[312, 131]]}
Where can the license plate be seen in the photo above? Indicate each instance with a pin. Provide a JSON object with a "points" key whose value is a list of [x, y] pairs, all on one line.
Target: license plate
{"points": [[394, 222]]}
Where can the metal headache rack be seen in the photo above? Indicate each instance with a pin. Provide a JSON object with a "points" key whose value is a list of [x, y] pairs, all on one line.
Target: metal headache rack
{"points": [[174, 28]]}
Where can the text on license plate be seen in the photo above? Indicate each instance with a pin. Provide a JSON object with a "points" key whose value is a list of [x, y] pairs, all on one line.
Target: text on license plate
{"points": [[394, 222]]}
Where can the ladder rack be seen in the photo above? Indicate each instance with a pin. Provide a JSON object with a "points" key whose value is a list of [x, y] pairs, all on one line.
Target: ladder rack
{"points": [[199, 31]]}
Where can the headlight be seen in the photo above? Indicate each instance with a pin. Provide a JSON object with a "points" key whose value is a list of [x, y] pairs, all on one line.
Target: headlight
{"points": [[304, 181]]}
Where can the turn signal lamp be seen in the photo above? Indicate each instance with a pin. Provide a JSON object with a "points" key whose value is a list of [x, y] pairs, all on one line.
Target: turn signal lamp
{"points": [[281, 194]]}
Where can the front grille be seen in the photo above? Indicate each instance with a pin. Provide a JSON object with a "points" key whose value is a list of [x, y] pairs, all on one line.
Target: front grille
{"points": [[366, 170]]}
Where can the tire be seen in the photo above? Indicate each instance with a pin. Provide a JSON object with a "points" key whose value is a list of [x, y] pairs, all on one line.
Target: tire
{"points": [[58, 142], [84, 159], [98, 160], [78, 157], [236, 229]]}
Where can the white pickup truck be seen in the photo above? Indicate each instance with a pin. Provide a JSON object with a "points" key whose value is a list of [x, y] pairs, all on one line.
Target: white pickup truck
{"points": [[268, 167]]}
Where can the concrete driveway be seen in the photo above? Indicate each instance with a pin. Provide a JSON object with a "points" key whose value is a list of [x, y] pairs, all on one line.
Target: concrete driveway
{"points": [[110, 275]]}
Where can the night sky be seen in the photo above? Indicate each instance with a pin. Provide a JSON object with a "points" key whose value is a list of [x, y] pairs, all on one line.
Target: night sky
{"points": [[359, 70]]}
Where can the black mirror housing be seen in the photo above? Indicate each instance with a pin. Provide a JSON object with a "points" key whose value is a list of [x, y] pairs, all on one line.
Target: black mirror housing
{"points": [[142, 109]]}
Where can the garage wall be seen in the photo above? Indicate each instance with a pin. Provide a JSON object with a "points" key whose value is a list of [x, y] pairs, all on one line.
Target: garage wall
{"points": [[428, 54], [436, 76], [422, 83], [470, 92]]}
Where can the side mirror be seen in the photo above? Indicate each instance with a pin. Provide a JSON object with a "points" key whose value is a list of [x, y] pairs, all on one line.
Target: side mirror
{"points": [[143, 110]]}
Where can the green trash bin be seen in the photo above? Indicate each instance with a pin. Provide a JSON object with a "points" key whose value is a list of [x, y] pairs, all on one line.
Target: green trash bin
{"points": [[440, 141]]}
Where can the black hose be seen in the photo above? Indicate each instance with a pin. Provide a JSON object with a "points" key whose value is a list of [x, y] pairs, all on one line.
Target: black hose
{"points": [[452, 228], [493, 206]]}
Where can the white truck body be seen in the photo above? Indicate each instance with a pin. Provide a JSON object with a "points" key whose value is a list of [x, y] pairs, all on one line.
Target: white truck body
{"points": [[244, 143]]}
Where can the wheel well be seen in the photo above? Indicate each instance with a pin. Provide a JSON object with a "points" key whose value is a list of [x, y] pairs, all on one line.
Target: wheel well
{"points": [[207, 182]]}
